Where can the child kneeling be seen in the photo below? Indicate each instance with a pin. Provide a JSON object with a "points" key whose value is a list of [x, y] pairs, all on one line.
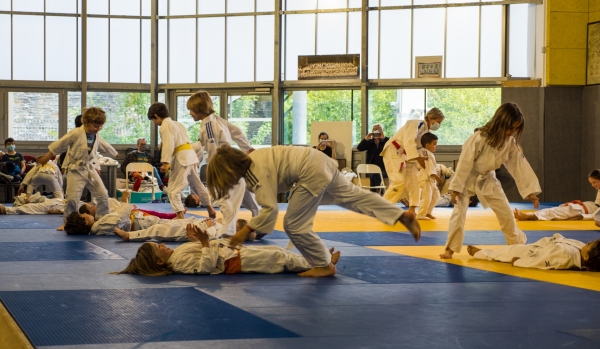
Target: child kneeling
{"points": [[201, 256]]}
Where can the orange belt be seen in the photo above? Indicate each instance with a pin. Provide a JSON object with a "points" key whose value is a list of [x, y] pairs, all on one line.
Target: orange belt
{"points": [[132, 216], [234, 265], [578, 202]]}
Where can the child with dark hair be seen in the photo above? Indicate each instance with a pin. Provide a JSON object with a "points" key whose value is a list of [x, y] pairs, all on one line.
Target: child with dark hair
{"points": [[556, 252], [428, 177], [16, 158]]}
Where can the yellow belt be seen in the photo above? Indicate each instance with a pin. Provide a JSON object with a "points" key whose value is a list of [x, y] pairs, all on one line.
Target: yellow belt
{"points": [[182, 147]]}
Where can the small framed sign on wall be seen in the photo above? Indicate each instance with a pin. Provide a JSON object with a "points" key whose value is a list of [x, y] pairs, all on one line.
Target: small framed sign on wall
{"points": [[593, 54], [429, 66]]}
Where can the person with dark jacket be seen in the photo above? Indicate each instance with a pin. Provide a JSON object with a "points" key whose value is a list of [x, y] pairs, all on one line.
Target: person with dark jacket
{"points": [[141, 155], [373, 143]]}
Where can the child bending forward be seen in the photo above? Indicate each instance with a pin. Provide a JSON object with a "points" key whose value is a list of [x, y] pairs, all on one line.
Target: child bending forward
{"points": [[203, 257], [493, 145], [556, 252]]}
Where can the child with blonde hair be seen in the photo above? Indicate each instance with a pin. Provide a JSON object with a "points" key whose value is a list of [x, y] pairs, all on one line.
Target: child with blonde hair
{"points": [[495, 144], [83, 144]]}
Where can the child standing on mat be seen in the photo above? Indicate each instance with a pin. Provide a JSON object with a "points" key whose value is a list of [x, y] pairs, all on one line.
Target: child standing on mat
{"points": [[428, 178], [83, 144], [178, 154], [497, 143]]}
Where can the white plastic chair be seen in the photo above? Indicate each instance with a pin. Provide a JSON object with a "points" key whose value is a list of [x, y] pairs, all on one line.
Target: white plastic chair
{"points": [[139, 167], [367, 169]]}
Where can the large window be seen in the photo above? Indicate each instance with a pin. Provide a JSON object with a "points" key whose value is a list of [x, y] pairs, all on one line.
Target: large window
{"points": [[253, 115], [33, 116], [184, 117]]}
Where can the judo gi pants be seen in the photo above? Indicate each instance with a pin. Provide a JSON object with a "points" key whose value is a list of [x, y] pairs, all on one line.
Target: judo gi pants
{"points": [[271, 259], [179, 178], [504, 254], [429, 198], [561, 213], [49, 180], [76, 182], [408, 178]]}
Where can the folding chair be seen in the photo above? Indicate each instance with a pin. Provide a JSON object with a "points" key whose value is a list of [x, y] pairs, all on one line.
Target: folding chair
{"points": [[367, 170], [139, 167]]}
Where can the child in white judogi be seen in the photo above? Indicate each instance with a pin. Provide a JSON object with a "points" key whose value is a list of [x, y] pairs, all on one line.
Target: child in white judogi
{"points": [[214, 132], [202, 256], [493, 145], [48, 175], [37, 204], [173, 230], [556, 252], [177, 152], [313, 179], [401, 155], [428, 178], [83, 144]]}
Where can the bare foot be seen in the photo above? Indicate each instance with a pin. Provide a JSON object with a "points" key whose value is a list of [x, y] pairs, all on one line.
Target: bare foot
{"points": [[2, 209], [423, 218], [184, 210], [180, 215], [447, 254], [409, 221], [404, 202], [472, 250], [430, 216], [122, 234], [53, 212], [318, 272], [335, 256], [251, 236], [61, 228], [520, 216]]}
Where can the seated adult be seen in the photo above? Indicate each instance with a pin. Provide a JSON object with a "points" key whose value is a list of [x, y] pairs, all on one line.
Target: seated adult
{"points": [[141, 155], [325, 145]]}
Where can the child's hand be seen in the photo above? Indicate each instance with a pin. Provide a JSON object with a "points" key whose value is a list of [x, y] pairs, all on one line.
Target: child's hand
{"points": [[164, 167], [20, 191], [421, 161], [514, 260], [210, 223], [454, 197], [535, 200]]}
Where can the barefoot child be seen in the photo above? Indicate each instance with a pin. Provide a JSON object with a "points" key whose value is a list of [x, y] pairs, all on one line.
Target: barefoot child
{"points": [[313, 179], [202, 256], [556, 252], [83, 144], [492, 145], [178, 154], [38, 205], [428, 178]]}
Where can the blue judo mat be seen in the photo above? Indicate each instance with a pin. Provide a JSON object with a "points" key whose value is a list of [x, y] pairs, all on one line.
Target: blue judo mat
{"points": [[53, 251]]}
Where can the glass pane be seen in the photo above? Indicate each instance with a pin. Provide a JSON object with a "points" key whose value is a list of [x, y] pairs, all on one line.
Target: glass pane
{"points": [[126, 119], [61, 60], [434, 2], [354, 32], [393, 108], [5, 5], [264, 48], [125, 50], [240, 49], [302, 108], [97, 7], [33, 116], [162, 51], [462, 42], [373, 45], [395, 44], [373, 3], [331, 4], [252, 114], [28, 6], [184, 117], [28, 38], [428, 36], [465, 109], [291, 5], [491, 41], [355, 4], [521, 40], [395, 2], [146, 51], [125, 7], [182, 7], [211, 67], [97, 55], [211, 6], [61, 6], [79, 48], [146, 7], [265, 5], [5, 39], [299, 40], [162, 7], [237, 6], [74, 108], [182, 37], [331, 33]]}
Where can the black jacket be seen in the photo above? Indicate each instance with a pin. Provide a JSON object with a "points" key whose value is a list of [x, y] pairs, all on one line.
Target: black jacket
{"points": [[373, 151]]}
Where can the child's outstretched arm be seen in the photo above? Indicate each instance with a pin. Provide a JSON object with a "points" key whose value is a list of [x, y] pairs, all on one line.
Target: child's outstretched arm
{"points": [[42, 160]]}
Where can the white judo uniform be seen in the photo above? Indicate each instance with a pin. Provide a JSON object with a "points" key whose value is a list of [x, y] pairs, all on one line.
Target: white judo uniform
{"points": [[398, 154], [214, 132], [174, 230], [37, 205], [429, 190], [313, 179], [121, 216], [48, 175], [556, 252], [569, 210], [177, 151], [192, 258], [476, 175], [82, 168]]}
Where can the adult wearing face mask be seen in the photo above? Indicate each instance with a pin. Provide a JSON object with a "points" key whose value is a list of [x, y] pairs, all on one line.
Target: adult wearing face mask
{"points": [[141, 155], [401, 156], [16, 158]]}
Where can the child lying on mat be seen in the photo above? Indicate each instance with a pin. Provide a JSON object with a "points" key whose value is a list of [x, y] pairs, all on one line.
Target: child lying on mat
{"points": [[556, 252], [201, 256], [176, 230], [38, 205]]}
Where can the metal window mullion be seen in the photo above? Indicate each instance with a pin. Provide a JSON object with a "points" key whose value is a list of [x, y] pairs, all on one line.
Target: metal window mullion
{"points": [[505, 40], [445, 38], [225, 53], [479, 47], [12, 41], [378, 44], [347, 25], [83, 53], [108, 42], [168, 44], [197, 39], [316, 29], [77, 42], [44, 40], [255, 47], [141, 38], [412, 36]]}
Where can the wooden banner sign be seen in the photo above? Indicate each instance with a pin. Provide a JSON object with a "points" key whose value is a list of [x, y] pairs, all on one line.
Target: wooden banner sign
{"points": [[328, 67]]}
